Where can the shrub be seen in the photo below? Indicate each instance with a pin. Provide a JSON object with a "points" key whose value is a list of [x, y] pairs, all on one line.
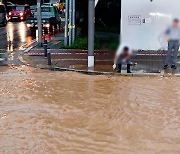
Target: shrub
{"points": [[82, 43], [113, 44]]}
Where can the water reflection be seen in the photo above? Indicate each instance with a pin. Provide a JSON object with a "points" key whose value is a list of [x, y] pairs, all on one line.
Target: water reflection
{"points": [[10, 36], [18, 35], [73, 113], [22, 32]]}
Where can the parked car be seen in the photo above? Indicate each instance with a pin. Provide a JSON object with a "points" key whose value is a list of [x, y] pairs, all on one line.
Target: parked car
{"points": [[3, 20], [20, 12], [50, 19]]}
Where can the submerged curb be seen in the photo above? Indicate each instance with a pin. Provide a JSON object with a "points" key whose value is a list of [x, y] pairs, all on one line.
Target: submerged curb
{"points": [[91, 72]]}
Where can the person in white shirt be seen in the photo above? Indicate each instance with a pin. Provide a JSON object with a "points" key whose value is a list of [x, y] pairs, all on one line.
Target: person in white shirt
{"points": [[123, 53]]}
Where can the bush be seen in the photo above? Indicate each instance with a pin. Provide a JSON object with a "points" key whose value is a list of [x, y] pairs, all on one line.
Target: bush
{"points": [[82, 43], [107, 29], [113, 44]]}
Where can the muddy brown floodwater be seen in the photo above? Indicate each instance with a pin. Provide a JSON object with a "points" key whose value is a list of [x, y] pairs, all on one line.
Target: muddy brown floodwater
{"points": [[43, 112]]}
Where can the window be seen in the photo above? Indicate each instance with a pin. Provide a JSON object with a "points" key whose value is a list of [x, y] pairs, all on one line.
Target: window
{"points": [[45, 9], [20, 8]]}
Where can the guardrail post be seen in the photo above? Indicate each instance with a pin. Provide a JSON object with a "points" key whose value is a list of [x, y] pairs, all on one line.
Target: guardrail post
{"points": [[45, 48], [49, 58]]}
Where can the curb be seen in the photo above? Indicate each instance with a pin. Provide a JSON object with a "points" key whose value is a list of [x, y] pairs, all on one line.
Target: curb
{"points": [[91, 72]]}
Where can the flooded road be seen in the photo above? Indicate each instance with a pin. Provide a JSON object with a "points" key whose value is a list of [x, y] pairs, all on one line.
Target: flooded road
{"points": [[70, 113], [14, 36]]}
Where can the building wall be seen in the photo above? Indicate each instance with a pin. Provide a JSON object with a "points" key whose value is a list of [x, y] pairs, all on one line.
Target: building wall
{"points": [[143, 22]]}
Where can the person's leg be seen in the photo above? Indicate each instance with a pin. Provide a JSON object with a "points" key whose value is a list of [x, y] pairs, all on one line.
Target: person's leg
{"points": [[128, 65], [119, 68], [175, 53], [120, 63], [168, 56]]}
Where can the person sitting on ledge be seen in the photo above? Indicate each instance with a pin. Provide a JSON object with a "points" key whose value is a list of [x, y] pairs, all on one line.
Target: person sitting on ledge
{"points": [[122, 54]]}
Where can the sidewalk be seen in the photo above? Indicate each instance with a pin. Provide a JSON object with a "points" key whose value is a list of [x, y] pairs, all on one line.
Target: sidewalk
{"points": [[147, 61]]}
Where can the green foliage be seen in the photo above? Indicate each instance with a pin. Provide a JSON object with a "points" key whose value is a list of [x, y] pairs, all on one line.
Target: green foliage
{"points": [[82, 43], [113, 44], [107, 29]]}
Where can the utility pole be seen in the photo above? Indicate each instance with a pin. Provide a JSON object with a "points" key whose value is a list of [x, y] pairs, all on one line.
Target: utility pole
{"points": [[73, 20], [91, 20], [39, 23], [70, 22], [66, 23]]}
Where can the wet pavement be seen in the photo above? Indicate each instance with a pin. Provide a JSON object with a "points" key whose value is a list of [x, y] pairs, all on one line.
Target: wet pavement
{"points": [[65, 112], [14, 36]]}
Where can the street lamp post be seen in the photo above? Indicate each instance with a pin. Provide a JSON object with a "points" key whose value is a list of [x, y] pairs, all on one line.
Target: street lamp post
{"points": [[91, 17], [39, 23], [73, 20], [66, 23], [70, 22]]}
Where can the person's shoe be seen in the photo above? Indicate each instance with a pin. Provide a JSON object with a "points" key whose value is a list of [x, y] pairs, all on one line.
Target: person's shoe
{"points": [[165, 67], [119, 68], [128, 68], [173, 67]]}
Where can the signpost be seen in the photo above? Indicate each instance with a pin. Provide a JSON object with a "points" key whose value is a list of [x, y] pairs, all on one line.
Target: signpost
{"points": [[66, 23]]}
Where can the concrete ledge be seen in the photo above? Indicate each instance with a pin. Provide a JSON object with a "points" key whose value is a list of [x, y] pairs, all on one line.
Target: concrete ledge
{"points": [[90, 72]]}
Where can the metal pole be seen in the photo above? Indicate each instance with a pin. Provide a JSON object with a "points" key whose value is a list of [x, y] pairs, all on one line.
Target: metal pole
{"points": [[49, 58], [73, 20], [39, 23], [91, 17], [66, 24], [45, 48], [70, 22]]}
